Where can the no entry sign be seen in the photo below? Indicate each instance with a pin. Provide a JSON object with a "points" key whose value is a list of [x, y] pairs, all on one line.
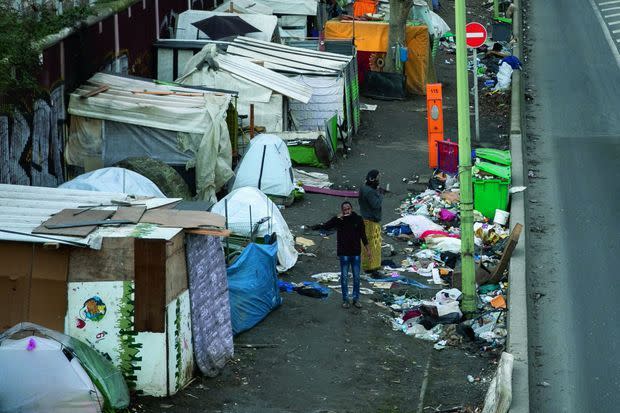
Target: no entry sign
{"points": [[475, 34]]}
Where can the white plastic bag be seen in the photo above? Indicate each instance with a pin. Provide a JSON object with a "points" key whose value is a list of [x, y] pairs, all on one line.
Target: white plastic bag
{"points": [[504, 77]]}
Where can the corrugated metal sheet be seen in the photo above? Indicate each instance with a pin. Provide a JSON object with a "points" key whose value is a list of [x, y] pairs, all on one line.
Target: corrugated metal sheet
{"points": [[289, 59], [303, 44], [265, 77], [23, 208]]}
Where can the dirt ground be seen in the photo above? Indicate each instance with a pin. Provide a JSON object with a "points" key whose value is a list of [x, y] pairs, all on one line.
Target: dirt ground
{"points": [[323, 358]]}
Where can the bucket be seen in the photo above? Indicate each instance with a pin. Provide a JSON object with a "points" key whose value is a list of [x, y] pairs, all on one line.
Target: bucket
{"points": [[501, 217]]}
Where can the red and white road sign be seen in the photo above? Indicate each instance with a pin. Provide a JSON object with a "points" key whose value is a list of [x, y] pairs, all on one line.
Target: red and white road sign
{"points": [[475, 34]]}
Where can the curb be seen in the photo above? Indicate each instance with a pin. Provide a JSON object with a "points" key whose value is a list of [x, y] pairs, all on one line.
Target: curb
{"points": [[517, 296]]}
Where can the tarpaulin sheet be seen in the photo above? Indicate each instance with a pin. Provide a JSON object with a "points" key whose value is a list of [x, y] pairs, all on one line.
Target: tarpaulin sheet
{"points": [[373, 37], [253, 286]]}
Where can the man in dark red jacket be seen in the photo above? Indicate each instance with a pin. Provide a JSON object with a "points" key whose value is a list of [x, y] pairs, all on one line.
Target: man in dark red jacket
{"points": [[350, 237]]}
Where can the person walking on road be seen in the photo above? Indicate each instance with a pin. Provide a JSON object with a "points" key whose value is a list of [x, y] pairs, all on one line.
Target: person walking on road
{"points": [[370, 200], [350, 235]]}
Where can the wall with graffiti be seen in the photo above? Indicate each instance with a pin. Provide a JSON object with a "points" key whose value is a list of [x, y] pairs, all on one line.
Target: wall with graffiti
{"points": [[102, 315]]}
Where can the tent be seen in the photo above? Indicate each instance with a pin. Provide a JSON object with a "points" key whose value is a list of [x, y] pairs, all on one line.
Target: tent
{"points": [[266, 165], [115, 180], [51, 371], [267, 90], [246, 208], [117, 117], [253, 286]]}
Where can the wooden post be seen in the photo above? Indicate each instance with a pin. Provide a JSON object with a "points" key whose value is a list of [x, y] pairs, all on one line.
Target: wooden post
{"points": [[251, 121]]}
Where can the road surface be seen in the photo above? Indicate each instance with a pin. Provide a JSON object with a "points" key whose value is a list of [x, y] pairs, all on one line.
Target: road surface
{"points": [[573, 152]]}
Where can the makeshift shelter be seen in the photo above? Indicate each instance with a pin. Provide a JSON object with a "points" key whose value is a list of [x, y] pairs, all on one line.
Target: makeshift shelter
{"points": [[371, 40], [185, 29], [124, 290], [249, 212], [266, 165], [253, 286], [331, 76], [267, 90], [114, 180], [115, 117], [313, 148], [47, 368]]}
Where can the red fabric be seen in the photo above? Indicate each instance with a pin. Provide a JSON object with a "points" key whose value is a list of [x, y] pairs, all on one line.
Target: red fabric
{"points": [[438, 233], [361, 7]]}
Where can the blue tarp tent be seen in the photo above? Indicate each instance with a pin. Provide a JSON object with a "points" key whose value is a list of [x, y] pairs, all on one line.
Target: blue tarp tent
{"points": [[253, 286]]}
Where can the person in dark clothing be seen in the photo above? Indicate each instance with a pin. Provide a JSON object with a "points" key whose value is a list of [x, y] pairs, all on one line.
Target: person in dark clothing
{"points": [[350, 235], [370, 200]]}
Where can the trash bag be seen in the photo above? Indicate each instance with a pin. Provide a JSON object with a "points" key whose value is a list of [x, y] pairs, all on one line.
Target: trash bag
{"points": [[504, 77]]}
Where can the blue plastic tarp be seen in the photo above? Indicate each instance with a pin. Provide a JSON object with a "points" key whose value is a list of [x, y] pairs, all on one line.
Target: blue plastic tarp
{"points": [[253, 286]]}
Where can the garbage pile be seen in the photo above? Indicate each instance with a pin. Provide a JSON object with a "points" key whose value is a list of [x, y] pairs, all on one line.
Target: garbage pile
{"points": [[429, 224]]}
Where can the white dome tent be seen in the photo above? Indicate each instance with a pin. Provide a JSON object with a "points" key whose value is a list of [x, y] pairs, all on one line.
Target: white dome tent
{"points": [[246, 207], [266, 165], [115, 180]]}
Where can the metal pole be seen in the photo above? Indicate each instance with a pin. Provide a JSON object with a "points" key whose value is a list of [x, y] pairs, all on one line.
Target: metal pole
{"points": [[476, 113], [495, 9], [251, 121], [226, 223], [466, 204]]}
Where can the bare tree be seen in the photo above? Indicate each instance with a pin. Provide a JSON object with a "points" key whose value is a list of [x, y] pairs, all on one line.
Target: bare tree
{"points": [[399, 11]]}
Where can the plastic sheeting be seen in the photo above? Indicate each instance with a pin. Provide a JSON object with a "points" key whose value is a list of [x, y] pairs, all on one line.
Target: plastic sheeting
{"points": [[327, 100], [115, 180], [208, 290], [267, 166], [108, 378], [243, 200], [253, 286]]}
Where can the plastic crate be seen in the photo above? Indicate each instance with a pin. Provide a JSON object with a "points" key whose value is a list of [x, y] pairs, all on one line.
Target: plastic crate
{"points": [[489, 195], [448, 157]]}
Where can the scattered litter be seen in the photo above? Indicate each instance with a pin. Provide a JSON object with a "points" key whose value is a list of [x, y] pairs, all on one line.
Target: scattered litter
{"points": [[314, 179], [368, 107], [517, 189], [470, 378], [440, 345], [304, 242], [543, 384]]}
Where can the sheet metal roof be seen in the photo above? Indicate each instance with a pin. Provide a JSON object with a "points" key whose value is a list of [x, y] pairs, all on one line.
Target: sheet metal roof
{"points": [[23, 208], [289, 59]]}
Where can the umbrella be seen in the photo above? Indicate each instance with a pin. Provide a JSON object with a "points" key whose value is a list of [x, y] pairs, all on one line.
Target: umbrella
{"points": [[217, 27]]}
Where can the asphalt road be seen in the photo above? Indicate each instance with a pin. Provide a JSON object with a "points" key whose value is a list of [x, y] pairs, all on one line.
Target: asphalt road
{"points": [[573, 152]]}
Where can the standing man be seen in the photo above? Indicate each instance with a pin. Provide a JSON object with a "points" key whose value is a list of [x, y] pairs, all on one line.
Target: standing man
{"points": [[350, 236], [370, 200]]}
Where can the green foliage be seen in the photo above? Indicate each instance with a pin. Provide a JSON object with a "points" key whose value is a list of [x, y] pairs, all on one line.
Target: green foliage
{"points": [[21, 33]]}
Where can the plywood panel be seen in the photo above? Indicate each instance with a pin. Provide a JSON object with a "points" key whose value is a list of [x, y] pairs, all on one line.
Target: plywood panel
{"points": [[176, 269], [150, 284], [113, 262]]}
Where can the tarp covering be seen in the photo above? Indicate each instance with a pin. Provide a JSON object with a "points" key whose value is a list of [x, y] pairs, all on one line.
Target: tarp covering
{"points": [[327, 100], [266, 165], [186, 31], [197, 118], [373, 37], [108, 378], [115, 180], [253, 286], [246, 206]]}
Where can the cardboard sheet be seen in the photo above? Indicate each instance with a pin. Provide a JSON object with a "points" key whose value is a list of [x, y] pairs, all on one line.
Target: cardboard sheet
{"points": [[66, 216], [175, 218]]}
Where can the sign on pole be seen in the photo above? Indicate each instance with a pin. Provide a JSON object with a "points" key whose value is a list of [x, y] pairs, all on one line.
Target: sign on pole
{"points": [[475, 36], [434, 113]]}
